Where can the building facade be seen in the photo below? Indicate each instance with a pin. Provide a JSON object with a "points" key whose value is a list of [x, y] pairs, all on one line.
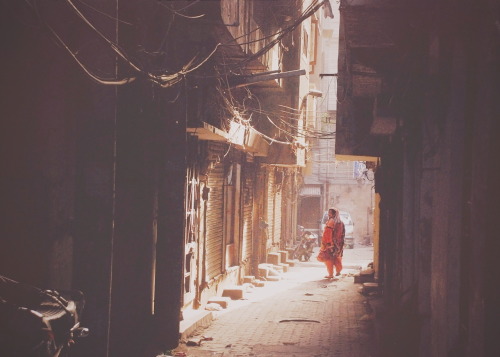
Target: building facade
{"points": [[416, 90], [148, 160]]}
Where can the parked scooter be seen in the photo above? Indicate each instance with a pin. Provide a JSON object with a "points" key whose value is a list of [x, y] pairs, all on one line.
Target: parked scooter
{"points": [[36, 322], [304, 249]]}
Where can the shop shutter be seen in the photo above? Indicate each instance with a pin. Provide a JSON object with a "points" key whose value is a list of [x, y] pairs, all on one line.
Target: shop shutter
{"points": [[277, 214], [247, 206], [270, 205], [215, 220]]}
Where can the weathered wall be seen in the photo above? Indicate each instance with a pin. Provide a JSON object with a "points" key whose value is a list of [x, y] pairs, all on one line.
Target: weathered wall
{"points": [[93, 175], [57, 155], [358, 200], [438, 246]]}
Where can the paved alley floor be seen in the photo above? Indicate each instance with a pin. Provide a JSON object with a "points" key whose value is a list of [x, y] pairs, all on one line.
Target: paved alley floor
{"points": [[301, 315]]}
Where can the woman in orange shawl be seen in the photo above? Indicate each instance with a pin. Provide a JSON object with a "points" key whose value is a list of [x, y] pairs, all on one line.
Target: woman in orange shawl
{"points": [[333, 242]]}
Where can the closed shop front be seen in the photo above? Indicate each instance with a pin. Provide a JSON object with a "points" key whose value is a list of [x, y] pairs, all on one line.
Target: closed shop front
{"points": [[214, 219], [273, 207], [247, 208], [278, 185], [270, 207]]}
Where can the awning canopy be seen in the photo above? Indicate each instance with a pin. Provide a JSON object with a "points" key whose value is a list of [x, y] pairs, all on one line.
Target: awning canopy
{"points": [[310, 191], [243, 137]]}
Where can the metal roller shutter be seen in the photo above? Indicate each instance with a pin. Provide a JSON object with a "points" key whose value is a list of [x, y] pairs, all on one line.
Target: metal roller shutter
{"points": [[270, 205], [277, 216], [215, 219], [247, 199]]}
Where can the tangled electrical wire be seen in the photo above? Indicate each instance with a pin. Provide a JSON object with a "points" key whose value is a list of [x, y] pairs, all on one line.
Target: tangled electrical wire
{"points": [[248, 117], [163, 78], [276, 38]]}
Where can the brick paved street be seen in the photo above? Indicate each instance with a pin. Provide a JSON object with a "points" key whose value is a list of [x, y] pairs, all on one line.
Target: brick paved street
{"points": [[301, 315]]}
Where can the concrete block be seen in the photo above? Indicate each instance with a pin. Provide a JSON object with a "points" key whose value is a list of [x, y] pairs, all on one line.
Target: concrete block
{"points": [[365, 276], [274, 278], [270, 270], [274, 258], [284, 255], [370, 288], [360, 279], [278, 267], [285, 266], [258, 283], [234, 293], [263, 272], [194, 320], [248, 279], [368, 271], [222, 301], [290, 263]]}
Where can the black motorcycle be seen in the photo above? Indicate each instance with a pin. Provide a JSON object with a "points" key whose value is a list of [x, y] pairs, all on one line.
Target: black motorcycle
{"points": [[36, 322], [304, 250]]}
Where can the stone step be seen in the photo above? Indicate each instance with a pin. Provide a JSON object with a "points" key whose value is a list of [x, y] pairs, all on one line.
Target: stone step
{"points": [[285, 266], [365, 276], [368, 271], [194, 320], [263, 272], [284, 255], [268, 270], [360, 279], [278, 267], [234, 293], [369, 288], [223, 301], [248, 279], [274, 258], [258, 283]]}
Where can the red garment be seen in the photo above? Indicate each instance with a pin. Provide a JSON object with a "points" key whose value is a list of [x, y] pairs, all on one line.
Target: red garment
{"points": [[335, 263], [333, 240], [333, 235]]}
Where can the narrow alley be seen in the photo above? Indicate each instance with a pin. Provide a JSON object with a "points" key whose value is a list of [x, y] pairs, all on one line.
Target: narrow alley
{"points": [[303, 314], [156, 153]]}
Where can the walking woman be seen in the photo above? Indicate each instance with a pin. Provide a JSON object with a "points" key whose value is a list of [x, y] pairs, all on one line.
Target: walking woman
{"points": [[332, 243]]}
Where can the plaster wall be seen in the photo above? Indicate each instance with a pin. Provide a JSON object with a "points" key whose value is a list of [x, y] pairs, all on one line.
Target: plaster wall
{"points": [[359, 201]]}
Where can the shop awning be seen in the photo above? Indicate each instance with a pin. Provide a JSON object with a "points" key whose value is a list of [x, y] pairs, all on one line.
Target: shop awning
{"points": [[310, 191]]}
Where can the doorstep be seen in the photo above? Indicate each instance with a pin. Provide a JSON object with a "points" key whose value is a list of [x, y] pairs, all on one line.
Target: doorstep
{"points": [[194, 319]]}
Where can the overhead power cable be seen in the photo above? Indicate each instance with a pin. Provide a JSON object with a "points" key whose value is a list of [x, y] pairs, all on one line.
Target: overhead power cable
{"points": [[279, 35], [115, 82], [165, 80]]}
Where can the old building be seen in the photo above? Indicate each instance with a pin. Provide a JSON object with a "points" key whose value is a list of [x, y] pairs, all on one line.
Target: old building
{"points": [[245, 149], [328, 181], [418, 89], [146, 157], [318, 110]]}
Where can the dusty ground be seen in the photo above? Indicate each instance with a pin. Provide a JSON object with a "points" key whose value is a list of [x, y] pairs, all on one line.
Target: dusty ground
{"points": [[301, 315]]}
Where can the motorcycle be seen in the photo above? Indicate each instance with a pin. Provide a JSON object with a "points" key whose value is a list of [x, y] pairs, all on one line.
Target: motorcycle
{"points": [[304, 250], [36, 322]]}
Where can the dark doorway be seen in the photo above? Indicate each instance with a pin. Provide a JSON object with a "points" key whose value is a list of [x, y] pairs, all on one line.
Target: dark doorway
{"points": [[310, 213]]}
